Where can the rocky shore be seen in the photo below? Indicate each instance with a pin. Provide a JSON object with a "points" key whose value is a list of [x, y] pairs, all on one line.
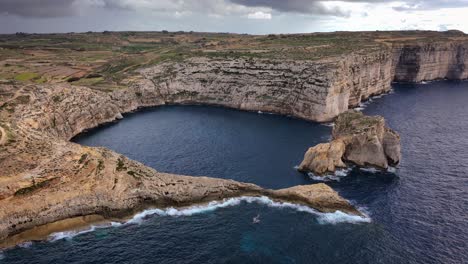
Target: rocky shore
{"points": [[357, 139], [44, 178]]}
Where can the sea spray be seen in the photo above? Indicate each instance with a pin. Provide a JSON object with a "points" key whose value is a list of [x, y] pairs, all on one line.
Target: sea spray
{"points": [[73, 233], [322, 218], [336, 217], [336, 176]]}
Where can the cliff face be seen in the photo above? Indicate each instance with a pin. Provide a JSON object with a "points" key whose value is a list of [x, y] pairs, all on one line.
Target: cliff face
{"points": [[431, 61], [314, 90], [45, 178]]}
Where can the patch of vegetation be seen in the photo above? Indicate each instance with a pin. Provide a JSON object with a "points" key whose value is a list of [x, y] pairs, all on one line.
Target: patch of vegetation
{"points": [[23, 99], [73, 79], [35, 186], [89, 81], [120, 165], [26, 76], [93, 75], [100, 166], [83, 158]]}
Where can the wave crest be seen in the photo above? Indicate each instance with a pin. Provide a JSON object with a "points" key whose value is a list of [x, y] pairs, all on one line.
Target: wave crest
{"points": [[322, 218]]}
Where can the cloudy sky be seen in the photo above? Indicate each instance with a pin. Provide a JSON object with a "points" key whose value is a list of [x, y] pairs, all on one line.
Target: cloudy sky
{"points": [[240, 16]]}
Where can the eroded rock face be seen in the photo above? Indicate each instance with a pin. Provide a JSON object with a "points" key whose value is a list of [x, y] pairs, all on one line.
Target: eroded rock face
{"points": [[44, 178], [324, 157], [317, 90], [359, 139]]}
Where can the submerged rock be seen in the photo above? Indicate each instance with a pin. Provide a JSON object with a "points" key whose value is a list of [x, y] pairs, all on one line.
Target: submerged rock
{"points": [[359, 139]]}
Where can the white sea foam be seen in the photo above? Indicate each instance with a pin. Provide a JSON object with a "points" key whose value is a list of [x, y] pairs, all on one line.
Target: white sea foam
{"points": [[26, 244], [340, 217], [370, 169], [331, 124], [340, 173], [323, 218], [260, 112], [2, 256], [364, 104], [391, 169], [71, 234], [360, 108]]}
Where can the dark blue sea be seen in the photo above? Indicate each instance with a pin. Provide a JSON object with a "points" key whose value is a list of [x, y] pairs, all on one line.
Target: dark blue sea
{"points": [[419, 212]]}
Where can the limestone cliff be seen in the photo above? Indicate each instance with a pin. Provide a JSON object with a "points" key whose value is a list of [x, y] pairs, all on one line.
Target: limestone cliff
{"points": [[45, 178], [359, 139], [316, 90]]}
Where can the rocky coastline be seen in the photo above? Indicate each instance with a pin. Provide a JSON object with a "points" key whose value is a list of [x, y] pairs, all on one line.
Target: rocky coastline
{"points": [[44, 178]]}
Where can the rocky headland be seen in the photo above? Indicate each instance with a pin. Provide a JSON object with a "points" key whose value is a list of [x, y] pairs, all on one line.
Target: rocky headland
{"points": [[357, 139], [45, 178]]}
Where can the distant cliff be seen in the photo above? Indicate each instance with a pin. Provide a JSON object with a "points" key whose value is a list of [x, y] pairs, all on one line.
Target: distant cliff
{"points": [[316, 90]]}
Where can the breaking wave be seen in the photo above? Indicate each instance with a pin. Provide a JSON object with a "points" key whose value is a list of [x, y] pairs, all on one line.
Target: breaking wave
{"points": [[340, 173], [364, 104], [369, 169], [70, 234], [322, 218]]}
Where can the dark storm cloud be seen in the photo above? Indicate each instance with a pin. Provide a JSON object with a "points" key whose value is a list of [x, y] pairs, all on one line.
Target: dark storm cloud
{"points": [[65, 8], [317, 7], [37, 8], [296, 6]]}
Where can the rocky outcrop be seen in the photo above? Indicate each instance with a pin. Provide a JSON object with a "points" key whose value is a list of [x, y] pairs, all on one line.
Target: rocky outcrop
{"points": [[45, 178], [325, 157], [358, 139]]}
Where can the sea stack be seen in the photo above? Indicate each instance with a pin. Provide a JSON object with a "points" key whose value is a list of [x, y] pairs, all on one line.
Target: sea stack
{"points": [[358, 139]]}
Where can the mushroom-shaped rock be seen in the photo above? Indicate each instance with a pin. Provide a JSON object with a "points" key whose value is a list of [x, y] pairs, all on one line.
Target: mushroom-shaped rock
{"points": [[359, 139]]}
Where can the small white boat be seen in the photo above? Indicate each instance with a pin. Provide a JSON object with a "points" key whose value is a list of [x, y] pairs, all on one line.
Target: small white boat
{"points": [[256, 219]]}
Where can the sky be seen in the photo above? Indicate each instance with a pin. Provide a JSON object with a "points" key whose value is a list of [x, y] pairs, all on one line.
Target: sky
{"points": [[236, 16]]}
